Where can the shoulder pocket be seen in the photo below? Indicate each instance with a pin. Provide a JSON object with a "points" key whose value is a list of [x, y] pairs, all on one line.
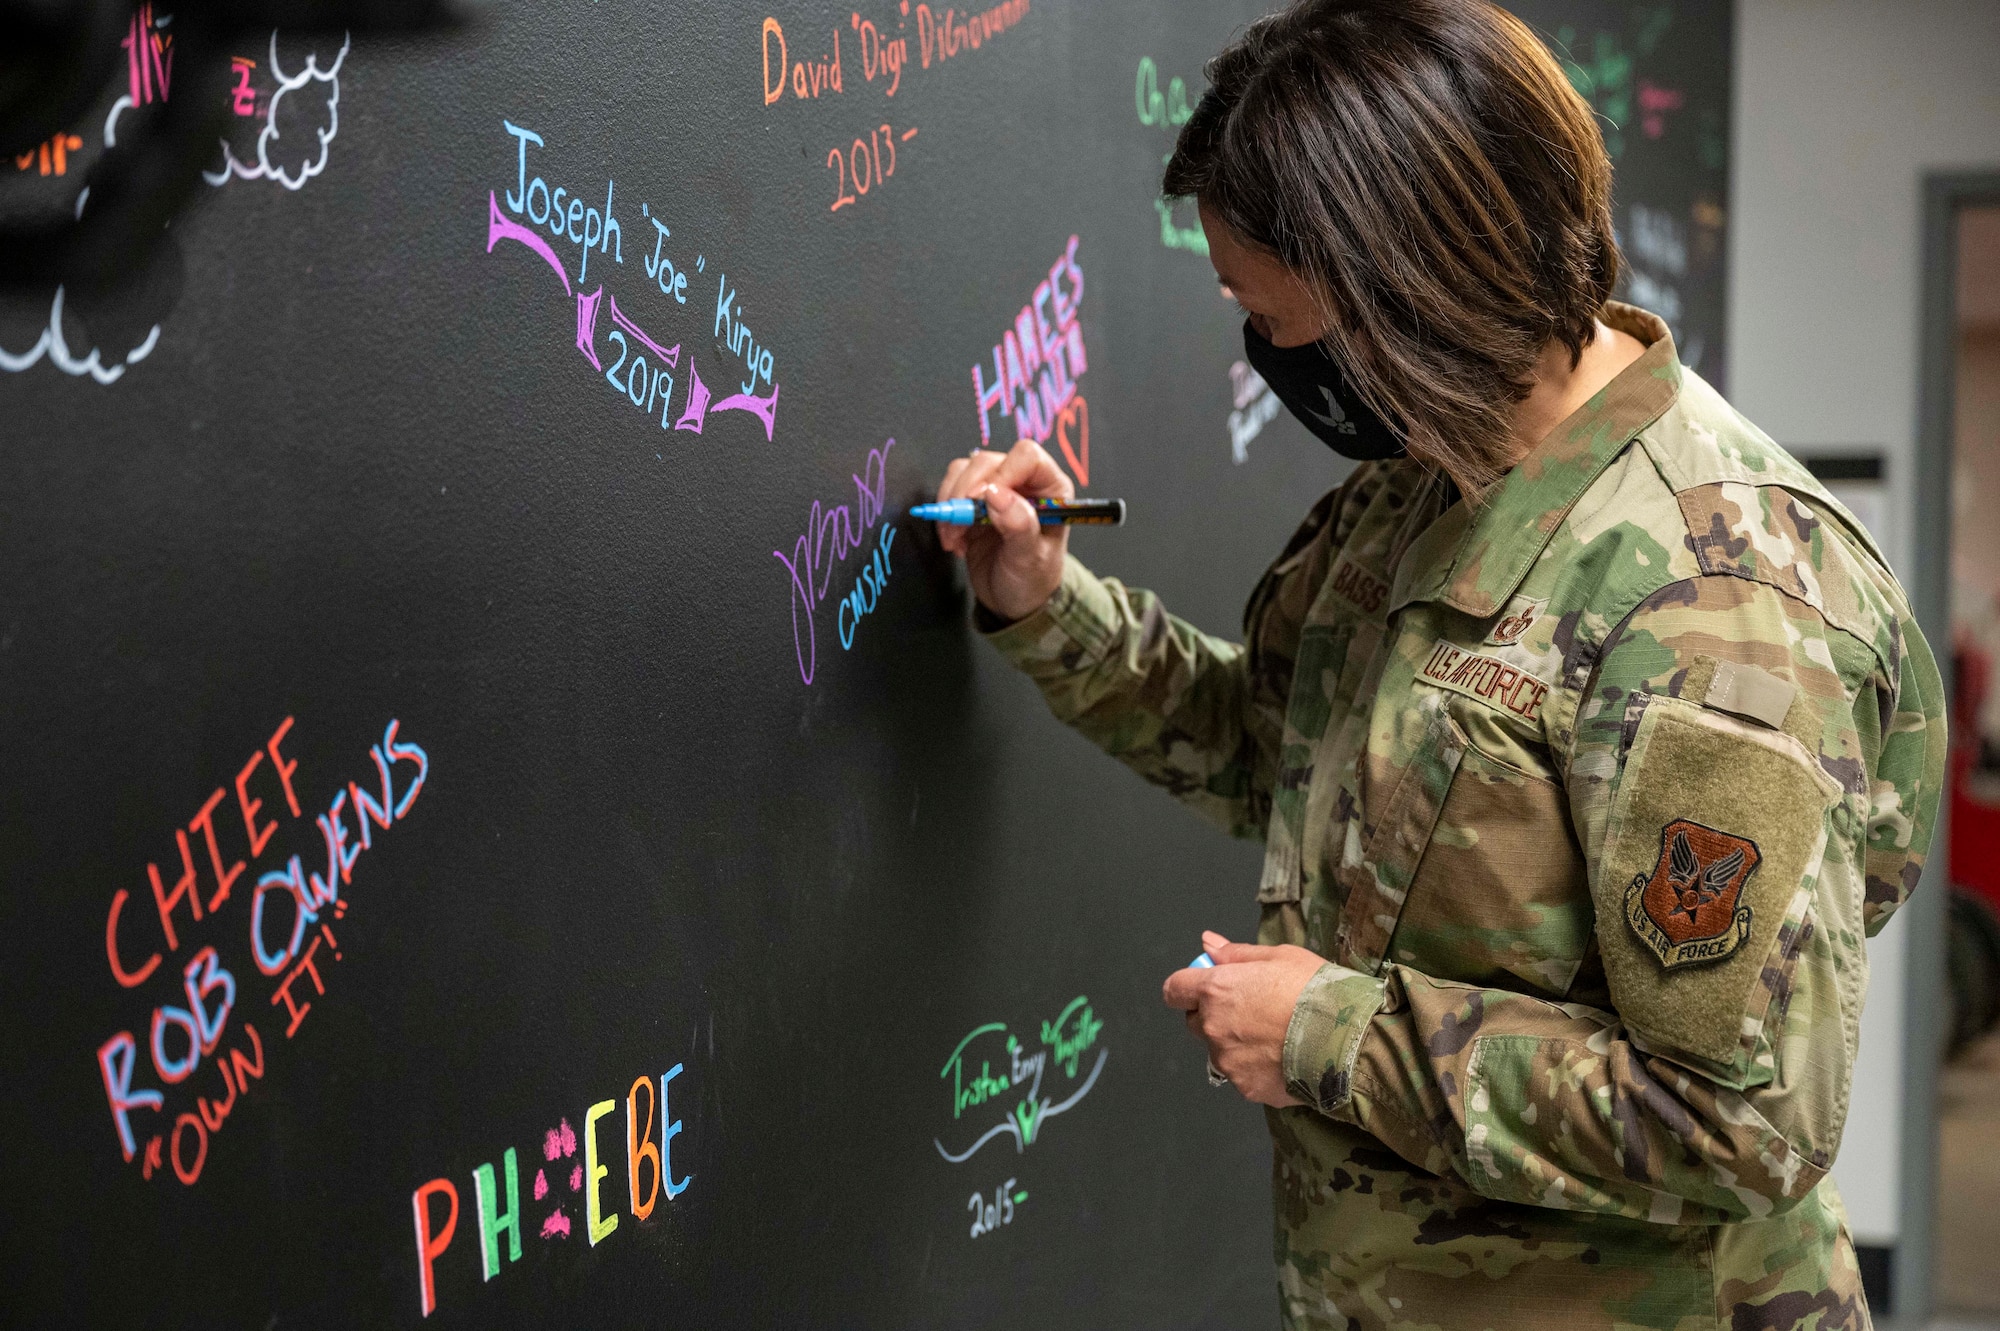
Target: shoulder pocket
{"points": [[1716, 833]]}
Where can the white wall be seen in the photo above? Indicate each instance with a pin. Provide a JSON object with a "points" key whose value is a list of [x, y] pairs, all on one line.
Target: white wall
{"points": [[1842, 105]]}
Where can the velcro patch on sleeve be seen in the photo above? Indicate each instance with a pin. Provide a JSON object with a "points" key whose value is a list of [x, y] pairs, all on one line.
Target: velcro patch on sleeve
{"points": [[1715, 829], [1750, 692], [1486, 678]]}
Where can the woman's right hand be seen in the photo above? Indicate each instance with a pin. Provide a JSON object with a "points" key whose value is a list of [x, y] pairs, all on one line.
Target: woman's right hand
{"points": [[1015, 563]]}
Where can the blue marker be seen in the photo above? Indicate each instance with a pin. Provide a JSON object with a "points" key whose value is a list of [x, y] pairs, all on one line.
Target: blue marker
{"points": [[1053, 512], [1206, 962]]}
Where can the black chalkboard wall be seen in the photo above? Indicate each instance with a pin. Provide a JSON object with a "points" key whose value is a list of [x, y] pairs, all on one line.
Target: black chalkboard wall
{"points": [[504, 821]]}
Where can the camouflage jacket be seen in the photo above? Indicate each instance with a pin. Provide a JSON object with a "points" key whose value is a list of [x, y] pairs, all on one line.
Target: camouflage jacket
{"points": [[1590, 794]]}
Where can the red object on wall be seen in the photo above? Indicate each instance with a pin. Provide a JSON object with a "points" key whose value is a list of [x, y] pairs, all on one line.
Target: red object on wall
{"points": [[1975, 803]]}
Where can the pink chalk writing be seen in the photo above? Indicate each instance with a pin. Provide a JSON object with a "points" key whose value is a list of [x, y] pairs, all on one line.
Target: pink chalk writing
{"points": [[558, 1144], [1037, 361], [832, 533], [149, 59], [586, 330], [500, 227], [1654, 104], [243, 97]]}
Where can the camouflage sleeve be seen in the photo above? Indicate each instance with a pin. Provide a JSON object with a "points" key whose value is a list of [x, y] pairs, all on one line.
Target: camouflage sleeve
{"points": [[1908, 778], [1165, 699], [1742, 776]]}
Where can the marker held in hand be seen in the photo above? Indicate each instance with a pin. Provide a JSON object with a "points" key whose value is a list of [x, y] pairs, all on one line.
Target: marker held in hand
{"points": [[1051, 512], [1215, 1077]]}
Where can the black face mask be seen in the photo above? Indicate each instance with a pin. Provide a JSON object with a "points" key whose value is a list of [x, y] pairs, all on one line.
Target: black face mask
{"points": [[1313, 389]]}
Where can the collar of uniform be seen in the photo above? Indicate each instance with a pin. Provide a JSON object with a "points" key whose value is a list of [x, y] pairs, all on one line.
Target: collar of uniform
{"points": [[1503, 537]]}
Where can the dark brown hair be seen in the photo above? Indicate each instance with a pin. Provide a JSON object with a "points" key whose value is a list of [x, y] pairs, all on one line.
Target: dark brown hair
{"points": [[1426, 169]]}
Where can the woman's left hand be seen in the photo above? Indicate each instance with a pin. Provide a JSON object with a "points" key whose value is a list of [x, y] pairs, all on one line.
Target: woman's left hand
{"points": [[1240, 1009]]}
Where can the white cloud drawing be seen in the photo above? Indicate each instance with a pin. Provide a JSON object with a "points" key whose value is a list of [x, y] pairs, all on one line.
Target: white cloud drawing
{"points": [[124, 103], [55, 346], [264, 168]]}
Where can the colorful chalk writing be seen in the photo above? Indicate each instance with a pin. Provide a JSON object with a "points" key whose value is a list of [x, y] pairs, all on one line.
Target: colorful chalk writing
{"points": [[1036, 366], [307, 99], [649, 1177], [243, 97], [946, 34], [643, 383], [149, 57], [1655, 104], [557, 1144], [1604, 74], [809, 77], [1168, 112], [1175, 236], [819, 69], [149, 61], [53, 154], [862, 168], [581, 225], [989, 1216], [732, 330], [55, 346], [1015, 1092], [868, 589], [1255, 407], [1656, 248], [832, 533], [300, 903], [880, 56], [802, 66], [640, 372], [671, 280]]}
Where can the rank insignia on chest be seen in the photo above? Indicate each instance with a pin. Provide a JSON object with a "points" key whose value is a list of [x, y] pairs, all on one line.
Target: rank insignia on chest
{"points": [[1514, 625], [1685, 911]]}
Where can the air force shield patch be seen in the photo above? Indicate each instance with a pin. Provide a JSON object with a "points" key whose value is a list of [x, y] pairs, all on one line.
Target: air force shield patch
{"points": [[1685, 911]]}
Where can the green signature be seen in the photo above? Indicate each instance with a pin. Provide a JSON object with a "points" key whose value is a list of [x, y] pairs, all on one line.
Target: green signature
{"points": [[1064, 1041], [1169, 112]]}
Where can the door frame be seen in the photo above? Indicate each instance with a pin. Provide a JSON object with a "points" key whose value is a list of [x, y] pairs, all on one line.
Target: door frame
{"points": [[1945, 195]]}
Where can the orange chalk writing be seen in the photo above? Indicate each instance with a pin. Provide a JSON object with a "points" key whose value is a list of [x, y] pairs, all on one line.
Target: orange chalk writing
{"points": [[189, 1025], [431, 1246], [773, 91], [166, 901], [296, 1009], [258, 840], [205, 823], [53, 154], [640, 1147], [128, 979], [188, 1173], [285, 769]]}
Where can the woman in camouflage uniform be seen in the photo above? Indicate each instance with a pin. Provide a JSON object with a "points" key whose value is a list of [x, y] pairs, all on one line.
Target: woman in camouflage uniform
{"points": [[1588, 737]]}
